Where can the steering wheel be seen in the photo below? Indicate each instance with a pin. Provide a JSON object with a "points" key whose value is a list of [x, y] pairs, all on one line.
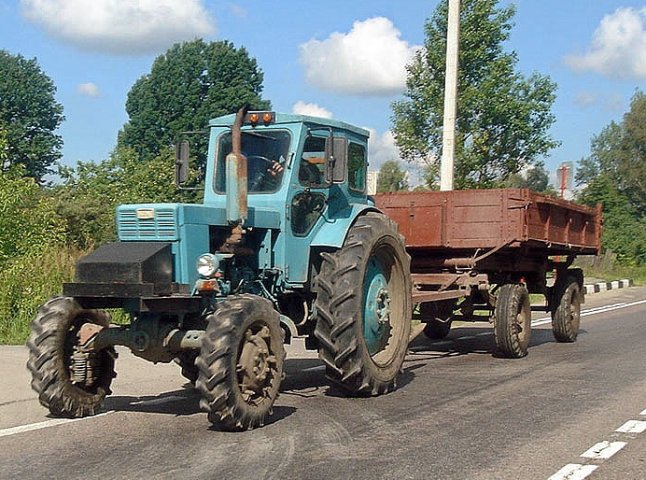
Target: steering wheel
{"points": [[255, 183]]}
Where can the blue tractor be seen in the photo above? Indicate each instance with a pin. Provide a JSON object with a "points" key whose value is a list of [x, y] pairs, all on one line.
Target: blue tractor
{"points": [[286, 243]]}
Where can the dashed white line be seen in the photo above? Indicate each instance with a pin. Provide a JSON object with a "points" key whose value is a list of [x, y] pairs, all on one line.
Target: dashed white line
{"points": [[603, 450], [573, 471], [633, 426]]}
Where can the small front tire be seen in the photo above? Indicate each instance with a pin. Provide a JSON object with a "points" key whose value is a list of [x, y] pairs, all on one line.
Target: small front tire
{"points": [[52, 344], [241, 363]]}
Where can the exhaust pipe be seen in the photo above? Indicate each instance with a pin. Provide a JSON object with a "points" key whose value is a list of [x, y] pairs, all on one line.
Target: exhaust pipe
{"points": [[236, 174]]}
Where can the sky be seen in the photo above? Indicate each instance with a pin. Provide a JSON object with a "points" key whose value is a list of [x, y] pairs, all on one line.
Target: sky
{"points": [[339, 59]]}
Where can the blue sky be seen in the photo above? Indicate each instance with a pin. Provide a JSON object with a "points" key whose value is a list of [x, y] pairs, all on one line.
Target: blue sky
{"points": [[309, 52]]}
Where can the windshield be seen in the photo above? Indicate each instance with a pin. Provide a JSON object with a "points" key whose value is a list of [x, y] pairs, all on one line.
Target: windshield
{"points": [[266, 153]]}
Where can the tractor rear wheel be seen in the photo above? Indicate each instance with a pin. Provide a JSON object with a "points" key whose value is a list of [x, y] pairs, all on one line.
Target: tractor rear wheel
{"points": [[363, 308], [69, 382], [241, 362]]}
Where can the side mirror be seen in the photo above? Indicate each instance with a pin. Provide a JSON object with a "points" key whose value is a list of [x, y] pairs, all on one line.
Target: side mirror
{"points": [[181, 162]]}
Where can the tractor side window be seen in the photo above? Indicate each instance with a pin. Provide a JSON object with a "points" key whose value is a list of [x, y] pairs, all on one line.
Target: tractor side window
{"points": [[357, 167], [311, 171]]}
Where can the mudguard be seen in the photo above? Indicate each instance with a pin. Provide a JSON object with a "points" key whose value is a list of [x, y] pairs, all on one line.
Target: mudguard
{"points": [[334, 230]]}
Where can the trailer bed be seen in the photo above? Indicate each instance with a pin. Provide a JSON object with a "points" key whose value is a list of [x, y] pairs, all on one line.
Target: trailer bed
{"points": [[463, 221]]}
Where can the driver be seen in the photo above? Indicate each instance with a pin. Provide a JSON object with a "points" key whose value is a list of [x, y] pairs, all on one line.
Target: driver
{"points": [[264, 174]]}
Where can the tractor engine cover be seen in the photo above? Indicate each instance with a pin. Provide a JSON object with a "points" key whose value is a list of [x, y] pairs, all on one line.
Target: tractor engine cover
{"points": [[124, 269]]}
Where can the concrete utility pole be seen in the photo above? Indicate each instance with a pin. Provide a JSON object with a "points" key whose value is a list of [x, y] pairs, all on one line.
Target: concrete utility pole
{"points": [[450, 96]]}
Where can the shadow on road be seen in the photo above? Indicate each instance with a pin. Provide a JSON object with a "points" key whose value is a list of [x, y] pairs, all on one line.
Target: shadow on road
{"points": [[468, 341]]}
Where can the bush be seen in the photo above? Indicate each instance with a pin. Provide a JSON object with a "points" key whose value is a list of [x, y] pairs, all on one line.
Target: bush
{"points": [[27, 282]]}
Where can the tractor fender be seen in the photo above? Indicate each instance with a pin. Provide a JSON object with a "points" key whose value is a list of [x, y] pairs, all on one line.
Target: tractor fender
{"points": [[334, 230]]}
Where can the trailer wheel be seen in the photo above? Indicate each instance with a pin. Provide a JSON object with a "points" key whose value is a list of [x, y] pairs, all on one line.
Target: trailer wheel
{"points": [[512, 323], [437, 316], [363, 308], [240, 363], [567, 316], [69, 383]]}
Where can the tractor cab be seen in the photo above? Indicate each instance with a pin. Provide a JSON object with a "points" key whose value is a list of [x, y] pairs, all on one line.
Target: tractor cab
{"points": [[293, 188]]}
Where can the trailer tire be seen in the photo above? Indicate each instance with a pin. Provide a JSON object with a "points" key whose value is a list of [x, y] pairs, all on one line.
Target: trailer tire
{"points": [[51, 344], [437, 317], [240, 362], [566, 318], [363, 308], [512, 322]]}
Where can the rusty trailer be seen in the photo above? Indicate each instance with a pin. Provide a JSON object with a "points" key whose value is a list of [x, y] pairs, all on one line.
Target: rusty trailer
{"points": [[475, 251]]}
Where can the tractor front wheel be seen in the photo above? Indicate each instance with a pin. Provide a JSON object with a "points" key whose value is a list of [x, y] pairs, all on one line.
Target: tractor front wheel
{"points": [[69, 381], [240, 363]]}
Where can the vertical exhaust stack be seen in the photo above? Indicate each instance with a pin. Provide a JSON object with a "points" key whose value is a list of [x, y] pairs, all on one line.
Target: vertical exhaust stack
{"points": [[236, 173]]}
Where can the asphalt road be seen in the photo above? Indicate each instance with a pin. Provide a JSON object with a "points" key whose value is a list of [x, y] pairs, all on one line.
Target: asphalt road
{"points": [[460, 413]]}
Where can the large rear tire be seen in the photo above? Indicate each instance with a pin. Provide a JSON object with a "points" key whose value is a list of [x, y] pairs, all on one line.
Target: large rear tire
{"points": [[363, 308], [53, 344], [567, 316], [512, 323], [241, 363]]}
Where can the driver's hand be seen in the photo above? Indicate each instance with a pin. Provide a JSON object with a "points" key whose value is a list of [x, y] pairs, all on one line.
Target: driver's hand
{"points": [[275, 168]]}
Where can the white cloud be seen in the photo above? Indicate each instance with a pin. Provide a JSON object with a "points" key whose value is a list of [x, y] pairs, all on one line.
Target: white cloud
{"points": [[88, 89], [381, 148], [120, 26], [369, 60], [302, 108], [585, 99], [618, 47]]}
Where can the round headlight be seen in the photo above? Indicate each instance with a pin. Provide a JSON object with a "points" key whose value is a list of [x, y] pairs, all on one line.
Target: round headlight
{"points": [[207, 265]]}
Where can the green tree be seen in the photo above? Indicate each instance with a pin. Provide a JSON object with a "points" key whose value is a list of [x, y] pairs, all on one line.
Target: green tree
{"points": [[632, 161], [503, 117], [186, 87], [30, 115], [614, 175], [391, 178], [28, 221], [536, 179]]}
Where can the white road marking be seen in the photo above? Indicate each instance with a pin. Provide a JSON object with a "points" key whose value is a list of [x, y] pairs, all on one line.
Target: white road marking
{"points": [[643, 413], [466, 337], [62, 421], [47, 423], [633, 426], [158, 401], [573, 471], [313, 369], [603, 450], [591, 311]]}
